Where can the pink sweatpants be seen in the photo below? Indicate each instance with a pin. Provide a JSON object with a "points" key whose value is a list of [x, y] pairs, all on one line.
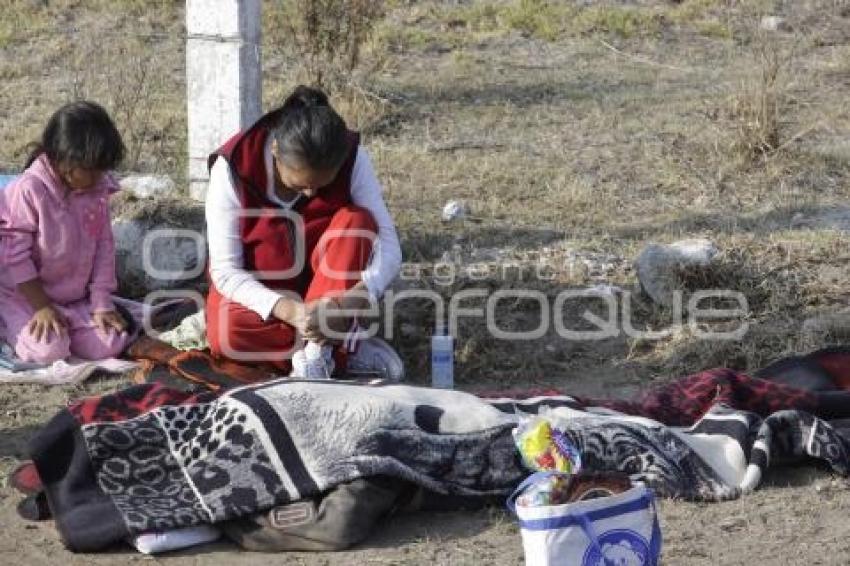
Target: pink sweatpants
{"points": [[83, 338]]}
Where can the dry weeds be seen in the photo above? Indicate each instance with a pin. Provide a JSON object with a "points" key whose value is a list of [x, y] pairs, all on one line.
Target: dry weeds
{"points": [[583, 129]]}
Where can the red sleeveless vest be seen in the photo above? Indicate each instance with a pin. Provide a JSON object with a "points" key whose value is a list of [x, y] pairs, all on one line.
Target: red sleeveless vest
{"points": [[267, 235]]}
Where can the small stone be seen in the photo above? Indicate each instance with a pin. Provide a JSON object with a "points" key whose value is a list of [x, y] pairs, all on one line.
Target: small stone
{"points": [[455, 210], [659, 267], [149, 186], [774, 23]]}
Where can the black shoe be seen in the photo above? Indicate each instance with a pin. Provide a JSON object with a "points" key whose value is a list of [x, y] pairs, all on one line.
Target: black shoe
{"points": [[35, 507]]}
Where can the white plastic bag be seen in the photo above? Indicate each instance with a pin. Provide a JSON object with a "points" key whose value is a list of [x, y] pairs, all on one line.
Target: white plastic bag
{"points": [[157, 542], [620, 530]]}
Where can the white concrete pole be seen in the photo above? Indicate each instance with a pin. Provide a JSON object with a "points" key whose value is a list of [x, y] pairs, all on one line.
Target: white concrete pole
{"points": [[223, 77]]}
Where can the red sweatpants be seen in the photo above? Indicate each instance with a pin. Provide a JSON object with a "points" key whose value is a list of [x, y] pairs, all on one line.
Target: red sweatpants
{"points": [[240, 334]]}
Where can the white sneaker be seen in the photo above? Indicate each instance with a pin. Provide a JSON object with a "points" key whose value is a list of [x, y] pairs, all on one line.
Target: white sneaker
{"points": [[374, 356], [312, 367]]}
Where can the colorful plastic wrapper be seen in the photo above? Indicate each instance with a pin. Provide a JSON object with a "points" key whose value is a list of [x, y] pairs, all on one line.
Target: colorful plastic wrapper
{"points": [[545, 448]]}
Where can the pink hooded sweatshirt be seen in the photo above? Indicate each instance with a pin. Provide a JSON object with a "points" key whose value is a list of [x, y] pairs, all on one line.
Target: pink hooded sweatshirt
{"points": [[63, 238]]}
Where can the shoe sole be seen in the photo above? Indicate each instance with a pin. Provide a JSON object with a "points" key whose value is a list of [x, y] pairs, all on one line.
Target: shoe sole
{"points": [[394, 365]]}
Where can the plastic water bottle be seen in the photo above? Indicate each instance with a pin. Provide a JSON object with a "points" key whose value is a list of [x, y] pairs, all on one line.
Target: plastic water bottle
{"points": [[442, 358]]}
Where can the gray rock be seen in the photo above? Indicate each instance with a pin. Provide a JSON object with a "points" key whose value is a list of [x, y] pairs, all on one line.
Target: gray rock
{"points": [[455, 210], [660, 267], [774, 23], [159, 246], [149, 186]]}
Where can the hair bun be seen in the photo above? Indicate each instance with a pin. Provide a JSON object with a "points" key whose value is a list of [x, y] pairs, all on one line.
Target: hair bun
{"points": [[305, 97]]}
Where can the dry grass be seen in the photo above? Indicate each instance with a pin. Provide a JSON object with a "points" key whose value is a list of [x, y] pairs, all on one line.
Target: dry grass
{"points": [[782, 276], [762, 103], [568, 129], [327, 36], [606, 150], [435, 26], [326, 43], [53, 52], [133, 92]]}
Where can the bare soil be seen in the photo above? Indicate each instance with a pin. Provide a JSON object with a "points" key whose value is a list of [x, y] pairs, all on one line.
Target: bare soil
{"points": [[797, 518]]}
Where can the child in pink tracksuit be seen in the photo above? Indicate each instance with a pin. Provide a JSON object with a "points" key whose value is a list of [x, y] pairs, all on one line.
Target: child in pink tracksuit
{"points": [[57, 255]]}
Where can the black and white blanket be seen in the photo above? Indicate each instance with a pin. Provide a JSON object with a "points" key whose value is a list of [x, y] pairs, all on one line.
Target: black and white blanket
{"points": [[152, 458], [721, 456]]}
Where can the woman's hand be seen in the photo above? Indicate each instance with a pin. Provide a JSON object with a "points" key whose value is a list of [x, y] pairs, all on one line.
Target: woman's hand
{"points": [[327, 310], [104, 320], [307, 319], [46, 320], [292, 313]]}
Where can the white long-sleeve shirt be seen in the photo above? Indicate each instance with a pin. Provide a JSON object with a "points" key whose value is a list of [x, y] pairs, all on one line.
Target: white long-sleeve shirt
{"points": [[223, 211]]}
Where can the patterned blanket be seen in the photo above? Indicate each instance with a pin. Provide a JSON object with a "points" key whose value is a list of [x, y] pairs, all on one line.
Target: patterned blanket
{"points": [[151, 457], [154, 458], [723, 455]]}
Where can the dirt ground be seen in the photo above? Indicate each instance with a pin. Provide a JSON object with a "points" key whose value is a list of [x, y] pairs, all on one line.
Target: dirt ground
{"points": [[788, 523], [798, 517], [576, 132]]}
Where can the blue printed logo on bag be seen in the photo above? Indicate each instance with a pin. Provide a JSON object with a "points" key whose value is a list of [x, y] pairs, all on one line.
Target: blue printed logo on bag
{"points": [[620, 547]]}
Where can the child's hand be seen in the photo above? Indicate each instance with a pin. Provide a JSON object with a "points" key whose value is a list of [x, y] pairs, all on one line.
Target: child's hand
{"points": [[46, 320], [105, 320]]}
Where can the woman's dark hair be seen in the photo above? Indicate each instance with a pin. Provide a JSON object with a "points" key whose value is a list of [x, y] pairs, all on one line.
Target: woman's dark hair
{"points": [[310, 131], [80, 134]]}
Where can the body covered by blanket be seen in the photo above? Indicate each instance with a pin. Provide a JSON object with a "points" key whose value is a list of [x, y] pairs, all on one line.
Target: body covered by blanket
{"points": [[722, 456], [155, 458], [711, 435], [151, 458]]}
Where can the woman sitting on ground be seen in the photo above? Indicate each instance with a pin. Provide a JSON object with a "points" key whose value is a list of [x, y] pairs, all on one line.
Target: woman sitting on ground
{"points": [[298, 234]]}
